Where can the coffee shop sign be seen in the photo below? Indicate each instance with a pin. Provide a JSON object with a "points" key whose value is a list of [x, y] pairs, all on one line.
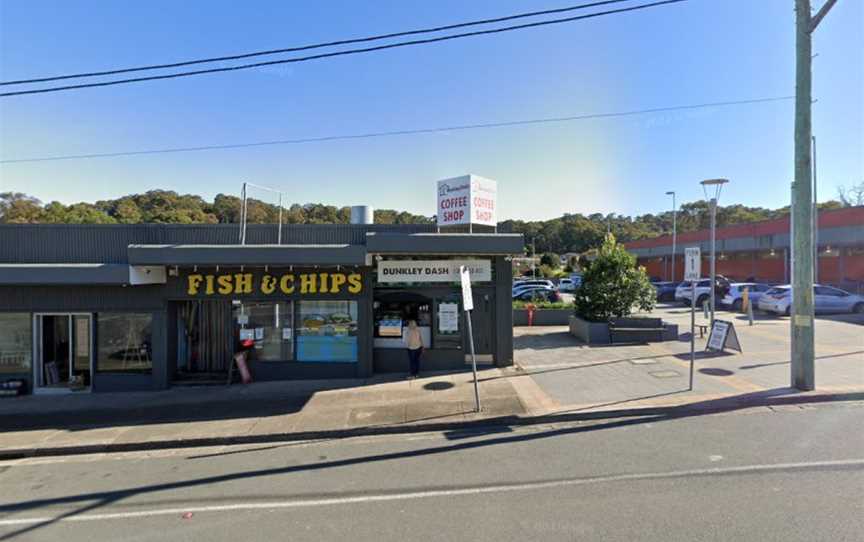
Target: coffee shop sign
{"points": [[469, 199]]}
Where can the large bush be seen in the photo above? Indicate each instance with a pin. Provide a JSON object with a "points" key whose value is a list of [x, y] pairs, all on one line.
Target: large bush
{"points": [[612, 285]]}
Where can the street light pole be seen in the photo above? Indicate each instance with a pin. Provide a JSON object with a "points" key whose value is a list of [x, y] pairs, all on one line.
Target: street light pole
{"points": [[717, 186], [674, 230]]}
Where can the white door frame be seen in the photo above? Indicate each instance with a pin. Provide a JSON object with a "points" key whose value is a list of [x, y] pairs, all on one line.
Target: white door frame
{"points": [[37, 349]]}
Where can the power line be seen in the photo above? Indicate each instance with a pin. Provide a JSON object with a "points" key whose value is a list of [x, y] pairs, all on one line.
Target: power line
{"points": [[314, 46], [340, 53], [416, 131]]}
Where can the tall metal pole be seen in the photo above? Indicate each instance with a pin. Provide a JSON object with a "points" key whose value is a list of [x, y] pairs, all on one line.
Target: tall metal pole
{"points": [[674, 231], [815, 219], [279, 236], [713, 256], [243, 215]]}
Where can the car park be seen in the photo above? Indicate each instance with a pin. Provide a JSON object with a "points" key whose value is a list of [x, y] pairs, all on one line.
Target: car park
{"points": [[826, 300], [735, 298]]}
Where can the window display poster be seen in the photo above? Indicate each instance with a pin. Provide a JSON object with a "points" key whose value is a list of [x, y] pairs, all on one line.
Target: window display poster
{"points": [[390, 327], [448, 318], [259, 333], [247, 334], [286, 333]]}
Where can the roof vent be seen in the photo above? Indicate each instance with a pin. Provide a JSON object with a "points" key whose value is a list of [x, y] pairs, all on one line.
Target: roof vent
{"points": [[362, 214]]}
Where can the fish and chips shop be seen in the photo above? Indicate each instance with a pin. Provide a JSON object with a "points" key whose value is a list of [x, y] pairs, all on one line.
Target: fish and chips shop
{"points": [[91, 308]]}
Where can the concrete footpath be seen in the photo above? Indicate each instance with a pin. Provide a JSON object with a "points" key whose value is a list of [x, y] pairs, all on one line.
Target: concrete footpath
{"points": [[180, 416], [33, 426]]}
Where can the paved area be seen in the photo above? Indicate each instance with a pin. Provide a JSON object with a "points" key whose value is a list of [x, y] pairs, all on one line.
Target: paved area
{"points": [[784, 475], [258, 409], [576, 376]]}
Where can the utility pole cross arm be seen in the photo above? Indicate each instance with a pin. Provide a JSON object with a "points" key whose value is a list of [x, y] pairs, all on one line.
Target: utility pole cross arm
{"points": [[814, 22]]}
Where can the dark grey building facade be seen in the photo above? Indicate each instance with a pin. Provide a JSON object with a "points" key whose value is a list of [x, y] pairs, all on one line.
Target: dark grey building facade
{"points": [[139, 307]]}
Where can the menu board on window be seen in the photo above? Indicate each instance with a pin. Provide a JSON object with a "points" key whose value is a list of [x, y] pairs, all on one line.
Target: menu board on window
{"points": [[448, 318], [390, 327]]}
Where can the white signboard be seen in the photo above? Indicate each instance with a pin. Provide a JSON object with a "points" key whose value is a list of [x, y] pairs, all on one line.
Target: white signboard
{"points": [[692, 263], [467, 200], [432, 270], [448, 317], [467, 297], [723, 336]]}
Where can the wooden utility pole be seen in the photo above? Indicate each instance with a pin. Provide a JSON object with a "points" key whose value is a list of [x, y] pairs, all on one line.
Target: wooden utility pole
{"points": [[803, 353]]}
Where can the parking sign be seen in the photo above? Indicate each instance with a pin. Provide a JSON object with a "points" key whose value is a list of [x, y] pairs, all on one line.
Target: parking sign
{"points": [[692, 263]]}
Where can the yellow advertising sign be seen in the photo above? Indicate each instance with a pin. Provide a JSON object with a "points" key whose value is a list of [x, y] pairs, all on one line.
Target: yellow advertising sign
{"points": [[289, 283]]}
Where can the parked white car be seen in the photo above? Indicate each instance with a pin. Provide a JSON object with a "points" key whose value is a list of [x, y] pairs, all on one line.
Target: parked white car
{"points": [[735, 297], [703, 291], [566, 285], [826, 300], [521, 285]]}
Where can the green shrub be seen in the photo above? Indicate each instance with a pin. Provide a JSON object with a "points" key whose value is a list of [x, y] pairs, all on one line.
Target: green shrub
{"points": [[612, 285]]}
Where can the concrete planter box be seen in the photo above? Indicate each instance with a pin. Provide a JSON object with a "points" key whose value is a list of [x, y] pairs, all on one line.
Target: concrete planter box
{"points": [[543, 317], [589, 332], [598, 332]]}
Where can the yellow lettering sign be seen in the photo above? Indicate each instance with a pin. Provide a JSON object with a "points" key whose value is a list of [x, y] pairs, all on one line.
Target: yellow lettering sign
{"points": [[246, 283]]}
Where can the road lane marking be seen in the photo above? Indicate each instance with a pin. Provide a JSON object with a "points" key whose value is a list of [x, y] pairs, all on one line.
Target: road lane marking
{"points": [[437, 493]]}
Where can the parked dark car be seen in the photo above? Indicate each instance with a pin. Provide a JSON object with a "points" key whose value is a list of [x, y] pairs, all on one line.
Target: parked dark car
{"points": [[539, 295], [665, 290]]}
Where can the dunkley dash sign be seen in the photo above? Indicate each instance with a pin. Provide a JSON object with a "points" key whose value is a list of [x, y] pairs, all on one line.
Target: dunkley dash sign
{"points": [[467, 200]]}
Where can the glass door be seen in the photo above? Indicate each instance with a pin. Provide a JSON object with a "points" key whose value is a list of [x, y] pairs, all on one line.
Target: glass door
{"points": [[63, 351]]}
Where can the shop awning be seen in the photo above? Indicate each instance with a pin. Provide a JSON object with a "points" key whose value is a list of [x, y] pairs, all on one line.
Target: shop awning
{"points": [[60, 274], [246, 255], [490, 244]]}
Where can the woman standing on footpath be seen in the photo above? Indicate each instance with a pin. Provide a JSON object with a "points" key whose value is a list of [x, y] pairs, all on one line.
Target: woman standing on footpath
{"points": [[415, 348]]}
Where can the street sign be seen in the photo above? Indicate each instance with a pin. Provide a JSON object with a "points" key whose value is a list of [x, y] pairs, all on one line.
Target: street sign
{"points": [[467, 298], [723, 336], [692, 263], [468, 304]]}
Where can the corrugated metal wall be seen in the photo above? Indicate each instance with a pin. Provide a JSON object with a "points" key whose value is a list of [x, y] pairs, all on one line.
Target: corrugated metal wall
{"points": [[86, 243]]}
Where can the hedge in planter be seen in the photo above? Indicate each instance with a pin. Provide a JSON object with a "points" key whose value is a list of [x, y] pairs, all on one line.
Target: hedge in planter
{"points": [[613, 285]]}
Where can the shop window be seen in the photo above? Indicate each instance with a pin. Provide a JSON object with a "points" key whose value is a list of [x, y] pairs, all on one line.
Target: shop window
{"points": [[15, 343], [125, 342], [393, 311], [270, 325], [327, 331]]}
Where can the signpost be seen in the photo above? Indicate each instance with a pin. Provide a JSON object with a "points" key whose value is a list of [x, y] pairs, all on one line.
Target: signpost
{"points": [[468, 305], [692, 272]]}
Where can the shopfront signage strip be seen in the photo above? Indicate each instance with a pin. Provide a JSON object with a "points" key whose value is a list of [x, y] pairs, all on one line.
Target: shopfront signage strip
{"points": [[289, 283], [432, 270]]}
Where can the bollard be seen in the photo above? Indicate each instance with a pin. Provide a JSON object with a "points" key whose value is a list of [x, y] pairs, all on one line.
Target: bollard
{"points": [[531, 307], [705, 309]]}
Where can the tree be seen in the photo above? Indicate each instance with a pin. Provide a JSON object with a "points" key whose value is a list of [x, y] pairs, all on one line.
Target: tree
{"points": [[551, 260], [853, 196], [18, 208], [612, 284]]}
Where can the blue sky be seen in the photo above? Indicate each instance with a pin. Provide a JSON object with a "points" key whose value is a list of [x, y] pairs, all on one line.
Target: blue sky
{"points": [[696, 52]]}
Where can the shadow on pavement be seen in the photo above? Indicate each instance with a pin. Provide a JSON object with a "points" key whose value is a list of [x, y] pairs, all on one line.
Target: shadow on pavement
{"points": [[602, 421]]}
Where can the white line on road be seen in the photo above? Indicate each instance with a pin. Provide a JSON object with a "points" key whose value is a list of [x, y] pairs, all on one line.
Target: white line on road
{"points": [[455, 492]]}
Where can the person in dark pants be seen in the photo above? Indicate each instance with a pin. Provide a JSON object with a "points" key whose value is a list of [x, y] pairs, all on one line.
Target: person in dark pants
{"points": [[415, 348]]}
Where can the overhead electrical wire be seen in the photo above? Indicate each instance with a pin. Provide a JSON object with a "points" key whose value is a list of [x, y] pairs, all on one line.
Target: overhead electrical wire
{"points": [[341, 53], [369, 135], [314, 46]]}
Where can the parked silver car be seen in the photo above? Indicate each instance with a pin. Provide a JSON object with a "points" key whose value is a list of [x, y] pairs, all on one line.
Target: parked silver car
{"points": [[826, 299], [735, 297]]}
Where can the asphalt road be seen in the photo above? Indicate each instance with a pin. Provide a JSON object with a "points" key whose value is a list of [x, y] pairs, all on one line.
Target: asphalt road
{"points": [[791, 473]]}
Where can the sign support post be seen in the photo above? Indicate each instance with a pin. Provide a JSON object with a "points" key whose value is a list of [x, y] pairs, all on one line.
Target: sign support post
{"points": [[692, 272], [468, 306]]}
